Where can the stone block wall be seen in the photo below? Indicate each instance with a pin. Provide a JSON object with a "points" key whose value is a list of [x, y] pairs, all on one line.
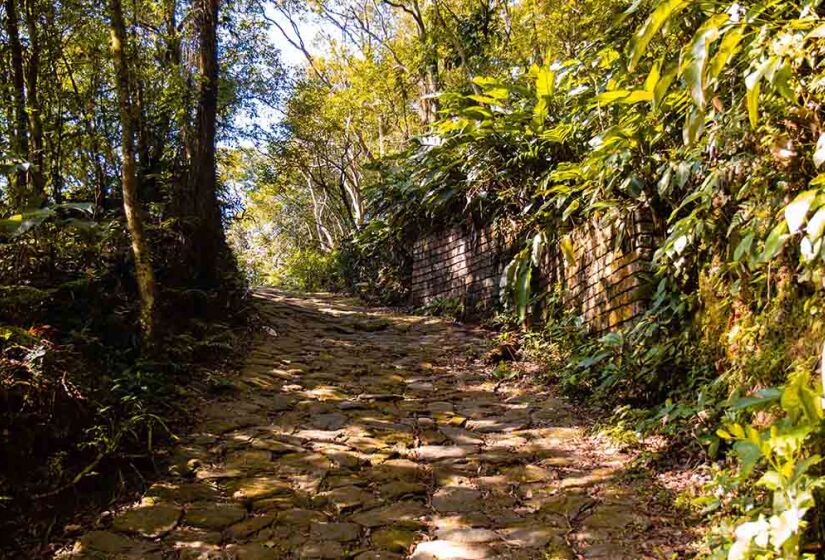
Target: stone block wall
{"points": [[462, 263], [606, 284]]}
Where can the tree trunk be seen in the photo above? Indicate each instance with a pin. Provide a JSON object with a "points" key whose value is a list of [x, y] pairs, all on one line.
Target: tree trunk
{"points": [[207, 242], [34, 108], [19, 136], [131, 205]]}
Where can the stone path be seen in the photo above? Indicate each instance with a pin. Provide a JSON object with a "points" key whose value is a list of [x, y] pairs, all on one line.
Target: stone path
{"points": [[356, 434]]}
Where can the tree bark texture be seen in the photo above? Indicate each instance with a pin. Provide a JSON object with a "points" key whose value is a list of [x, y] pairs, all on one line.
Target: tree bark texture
{"points": [[131, 205]]}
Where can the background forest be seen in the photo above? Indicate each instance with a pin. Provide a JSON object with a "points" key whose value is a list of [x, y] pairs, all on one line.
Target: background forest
{"points": [[116, 282], [139, 141]]}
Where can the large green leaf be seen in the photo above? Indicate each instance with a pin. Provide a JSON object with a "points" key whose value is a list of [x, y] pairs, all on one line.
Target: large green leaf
{"points": [[797, 211], [545, 83], [697, 55], [749, 454], [776, 239], [816, 225], [609, 97], [523, 289], [663, 84], [759, 398], [753, 87], [653, 76], [567, 250], [694, 123], [819, 152], [728, 47], [744, 247], [641, 39], [19, 224], [752, 99]]}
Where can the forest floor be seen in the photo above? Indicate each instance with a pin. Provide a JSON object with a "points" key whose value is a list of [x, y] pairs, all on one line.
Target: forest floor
{"points": [[357, 433]]}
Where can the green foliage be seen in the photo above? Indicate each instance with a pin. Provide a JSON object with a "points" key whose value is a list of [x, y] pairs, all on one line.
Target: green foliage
{"points": [[780, 455], [452, 308], [307, 271]]}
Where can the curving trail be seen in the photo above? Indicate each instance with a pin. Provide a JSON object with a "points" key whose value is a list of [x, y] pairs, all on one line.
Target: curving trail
{"points": [[353, 433]]}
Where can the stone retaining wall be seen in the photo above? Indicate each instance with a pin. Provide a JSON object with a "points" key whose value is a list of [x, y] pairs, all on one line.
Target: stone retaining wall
{"points": [[463, 264], [606, 284]]}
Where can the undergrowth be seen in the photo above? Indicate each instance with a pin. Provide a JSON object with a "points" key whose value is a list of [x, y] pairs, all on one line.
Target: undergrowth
{"points": [[85, 408], [738, 393]]}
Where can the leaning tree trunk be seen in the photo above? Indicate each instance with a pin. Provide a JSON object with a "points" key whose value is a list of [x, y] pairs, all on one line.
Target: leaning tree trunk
{"points": [[131, 204]]}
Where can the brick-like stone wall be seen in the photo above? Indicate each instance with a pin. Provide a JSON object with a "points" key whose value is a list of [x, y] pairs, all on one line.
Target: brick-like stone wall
{"points": [[462, 263], [605, 284]]}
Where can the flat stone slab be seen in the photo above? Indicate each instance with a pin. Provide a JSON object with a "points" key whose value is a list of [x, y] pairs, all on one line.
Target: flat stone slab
{"points": [[407, 514], [249, 527], [401, 488], [340, 532], [182, 493], [150, 521], [457, 499], [468, 535], [321, 550], [395, 539], [379, 555], [213, 515], [431, 453], [258, 488], [531, 535], [105, 542], [449, 550], [346, 498], [252, 551], [299, 517], [331, 421]]}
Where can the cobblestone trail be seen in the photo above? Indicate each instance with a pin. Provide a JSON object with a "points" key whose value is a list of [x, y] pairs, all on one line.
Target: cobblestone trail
{"points": [[352, 433]]}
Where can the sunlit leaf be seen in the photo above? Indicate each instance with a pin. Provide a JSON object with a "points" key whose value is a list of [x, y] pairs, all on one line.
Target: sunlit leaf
{"points": [[655, 22], [760, 398], [728, 47], [637, 96], [753, 87], [816, 225], [537, 247], [819, 152], [698, 49], [569, 253], [694, 123], [608, 97], [744, 247], [545, 83], [776, 239], [749, 454], [752, 98], [653, 76], [523, 290], [781, 80], [797, 211], [484, 99], [663, 84], [571, 208]]}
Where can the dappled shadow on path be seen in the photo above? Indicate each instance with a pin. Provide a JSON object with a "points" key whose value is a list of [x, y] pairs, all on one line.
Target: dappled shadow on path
{"points": [[352, 433]]}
